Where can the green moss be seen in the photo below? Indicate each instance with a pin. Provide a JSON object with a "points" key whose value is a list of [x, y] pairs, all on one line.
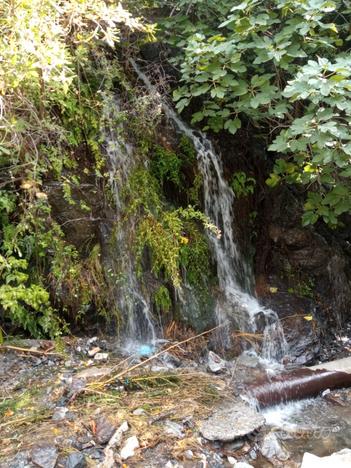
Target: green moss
{"points": [[303, 288], [166, 166], [186, 148], [142, 193], [195, 257], [162, 299]]}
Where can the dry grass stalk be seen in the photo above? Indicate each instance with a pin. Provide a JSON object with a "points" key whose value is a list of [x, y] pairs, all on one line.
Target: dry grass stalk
{"points": [[103, 383]]}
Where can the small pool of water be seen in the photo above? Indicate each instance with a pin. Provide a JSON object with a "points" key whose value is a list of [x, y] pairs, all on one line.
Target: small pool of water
{"points": [[312, 425]]}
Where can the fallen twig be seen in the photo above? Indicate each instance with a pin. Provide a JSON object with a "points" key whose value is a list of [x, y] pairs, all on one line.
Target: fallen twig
{"points": [[161, 416], [151, 358], [31, 351]]}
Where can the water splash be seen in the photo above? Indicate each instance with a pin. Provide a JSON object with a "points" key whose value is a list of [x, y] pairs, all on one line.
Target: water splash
{"points": [[237, 303], [131, 301]]}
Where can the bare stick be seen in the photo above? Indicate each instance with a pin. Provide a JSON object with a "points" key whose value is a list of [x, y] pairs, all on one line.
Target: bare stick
{"points": [[154, 356], [31, 351]]}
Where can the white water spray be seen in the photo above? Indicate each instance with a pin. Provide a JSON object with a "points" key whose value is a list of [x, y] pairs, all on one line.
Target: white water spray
{"points": [[237, 304], [131, 301]]}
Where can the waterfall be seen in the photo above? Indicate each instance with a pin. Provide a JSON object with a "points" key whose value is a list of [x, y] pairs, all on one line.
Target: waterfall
{"points": [[131, 302], [237, 304]]}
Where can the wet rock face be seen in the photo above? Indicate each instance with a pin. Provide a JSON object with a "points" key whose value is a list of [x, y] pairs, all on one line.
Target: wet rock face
{"points": [[230, 421], [301, 335], [315, 253], [80, 227]]}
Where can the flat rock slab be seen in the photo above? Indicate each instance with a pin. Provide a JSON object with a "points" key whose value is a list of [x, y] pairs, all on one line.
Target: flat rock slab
{"points": [[231, 420], [93, 373], [342, 365], [45, 457]]}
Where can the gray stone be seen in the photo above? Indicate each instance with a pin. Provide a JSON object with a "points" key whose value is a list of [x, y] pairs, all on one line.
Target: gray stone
{"points": [[117, 436], [341, 459], [45, 456], [271, 448], [171, 464], [75, 460], [248, 360], [60, 413], [20, 460], [173, 429], [104, 430], [253, 454], [243, 465], [189, 454], [95, 454], [231, 420], [92, 340], [234, 445], [139, 412], [215, 363], [129, 447], [171, 361], [92, 352], [100, 357], [93, 373], [115, 441], [159, 369]]}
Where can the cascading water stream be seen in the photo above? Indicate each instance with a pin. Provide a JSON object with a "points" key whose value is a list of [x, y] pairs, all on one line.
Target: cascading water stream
{"points": [[131, 301], [237, 303]]}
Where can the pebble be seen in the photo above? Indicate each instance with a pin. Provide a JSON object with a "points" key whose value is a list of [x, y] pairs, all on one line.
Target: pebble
{"points": [[189, 454], [60, 413], [231, 460], [95, 454], [100, 357], [76, 460], [173, 429], [235, 445], [93, 372], [248, 360], [92, 352], [157, 368], [171, 464], [88, 445], [129, 447], [104, 430], [215, 363], [253, 454], [139, 412], [271, 448], [117, 436]]}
